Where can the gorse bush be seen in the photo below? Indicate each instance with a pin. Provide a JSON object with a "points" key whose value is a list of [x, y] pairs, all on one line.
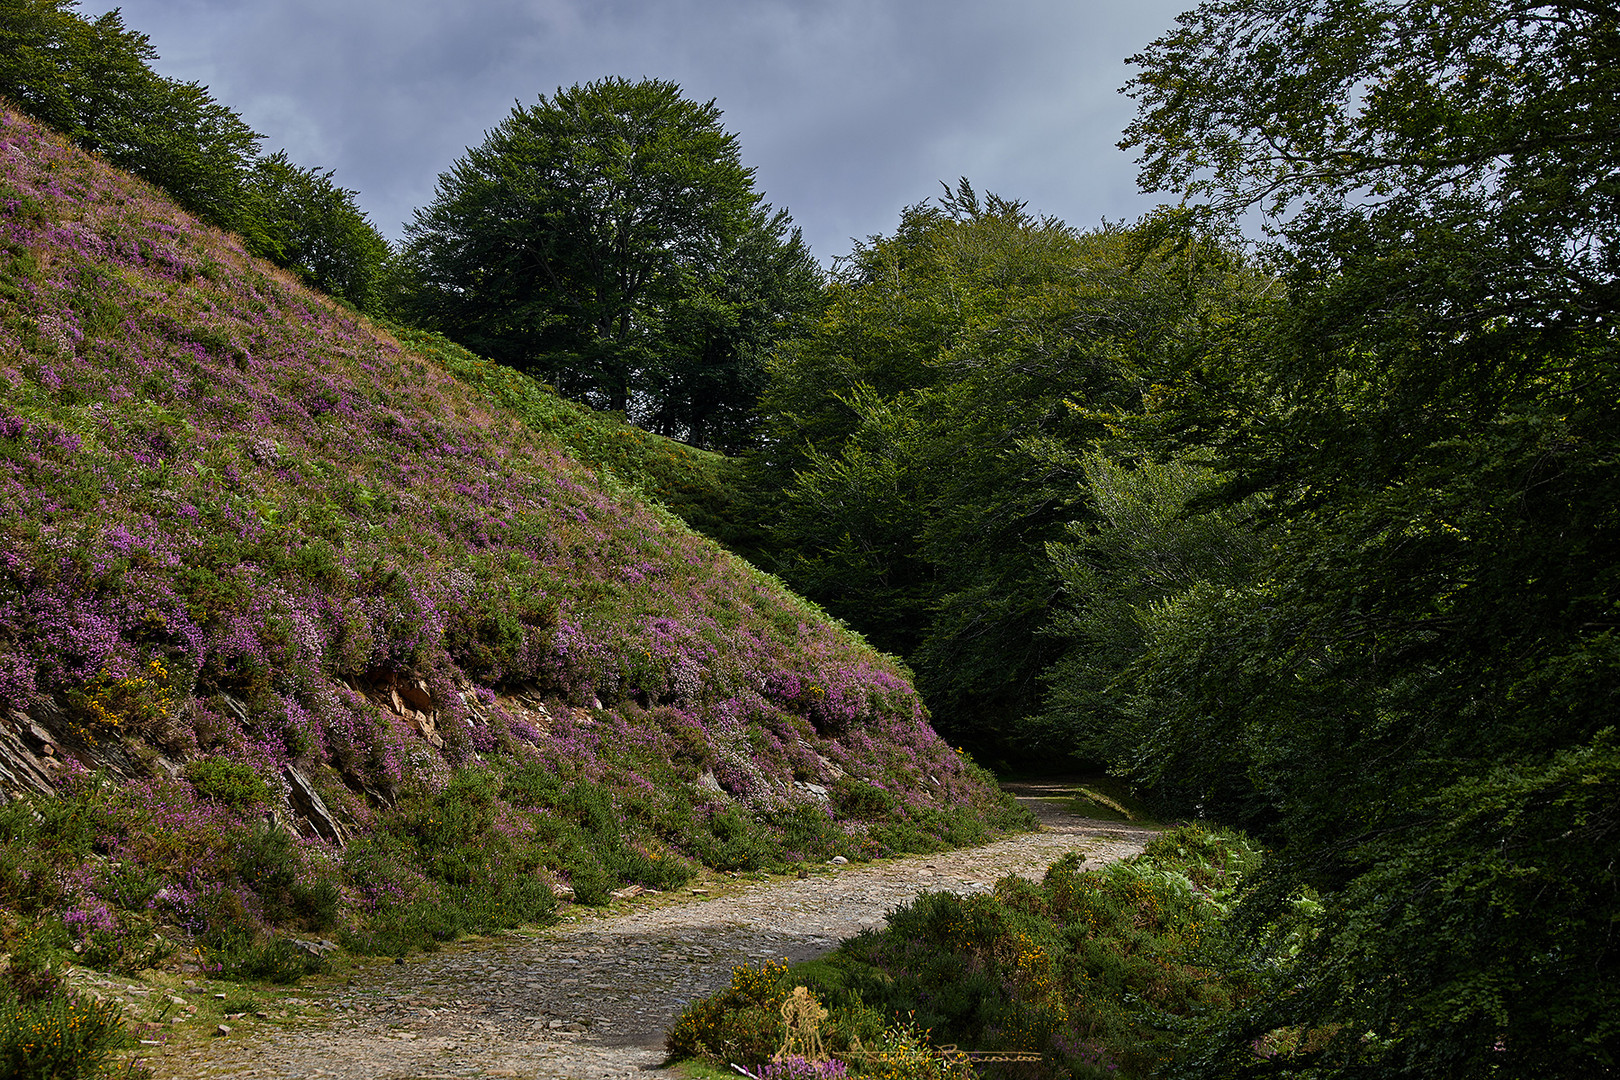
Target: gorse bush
{"points": [[48, 1031], [61, 1036]]}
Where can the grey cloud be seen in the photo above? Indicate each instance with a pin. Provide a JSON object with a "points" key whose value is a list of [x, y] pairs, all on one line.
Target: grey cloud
{"points": [[849, 109]]}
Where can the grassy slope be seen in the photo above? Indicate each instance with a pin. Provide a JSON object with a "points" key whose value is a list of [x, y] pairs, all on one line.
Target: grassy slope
{"points": [[246, 537], [698, 486]]}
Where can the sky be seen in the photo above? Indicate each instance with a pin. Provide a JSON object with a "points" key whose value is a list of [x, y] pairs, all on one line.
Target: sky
{"points": [[848, 110]]}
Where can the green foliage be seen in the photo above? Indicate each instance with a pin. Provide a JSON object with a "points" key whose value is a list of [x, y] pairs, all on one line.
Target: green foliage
{"points": [[61, 1035], [1092, 970], [48, 1031], [901, 1052], [742, 1023], [1405, 683], [236, 953], [1147, 550], [266, 861], [859, 799], [926, 439], [92, 81], [299, 219], [233, 783], [609, 240]]}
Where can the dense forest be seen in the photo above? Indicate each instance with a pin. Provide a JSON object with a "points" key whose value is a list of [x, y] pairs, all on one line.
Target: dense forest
{"points": [[1296, 503]]}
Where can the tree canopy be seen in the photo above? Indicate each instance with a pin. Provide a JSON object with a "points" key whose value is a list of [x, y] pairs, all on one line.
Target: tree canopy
{"points": [[1413, 686], [302, 220], [923, 443], [609, 239]]}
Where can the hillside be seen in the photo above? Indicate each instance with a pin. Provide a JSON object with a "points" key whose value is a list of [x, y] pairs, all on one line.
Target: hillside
{"points": [[298, 631]]}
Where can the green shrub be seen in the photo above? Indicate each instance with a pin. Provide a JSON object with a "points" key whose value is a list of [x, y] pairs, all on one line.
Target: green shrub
{"points": [[807, 832], [58, 1036], [1090, 969], [47, 1031], [233, 783], [398, 929], [728, 839], [742, 1023], [266, 859], [858, 799], [239, 955], [132, 947], [901, 1052]]}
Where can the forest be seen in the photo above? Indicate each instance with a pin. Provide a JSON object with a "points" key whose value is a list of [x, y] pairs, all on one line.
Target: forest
{"points": [[1295, 504]]}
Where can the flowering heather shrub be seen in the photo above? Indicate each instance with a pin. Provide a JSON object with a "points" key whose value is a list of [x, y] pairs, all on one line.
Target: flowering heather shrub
{"points": [[800, 1068], [237, 521]]}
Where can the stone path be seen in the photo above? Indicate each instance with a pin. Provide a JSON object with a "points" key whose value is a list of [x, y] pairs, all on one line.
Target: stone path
{"points": [[592, 997]]}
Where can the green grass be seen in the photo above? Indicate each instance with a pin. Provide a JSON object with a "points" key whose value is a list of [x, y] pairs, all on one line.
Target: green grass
{"points": [[1107, 798]]}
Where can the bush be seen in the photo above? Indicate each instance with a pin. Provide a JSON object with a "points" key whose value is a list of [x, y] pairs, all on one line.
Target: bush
{"points": [[1088, 969], [742, 1023], [48, 1031], [395, 930], [59, 1036], [233, 783], [239, 955], [904, 1053]]}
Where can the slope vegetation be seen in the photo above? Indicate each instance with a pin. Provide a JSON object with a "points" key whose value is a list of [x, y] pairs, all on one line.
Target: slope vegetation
{"points": [[300, 631]]}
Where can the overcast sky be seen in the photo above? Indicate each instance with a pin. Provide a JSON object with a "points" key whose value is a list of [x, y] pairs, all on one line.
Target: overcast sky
{"points": [[849, 110]]}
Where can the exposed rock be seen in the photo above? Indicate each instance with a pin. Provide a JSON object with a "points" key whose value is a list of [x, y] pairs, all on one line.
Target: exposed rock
{"points": [[830, 767], [427, 727], [36, 744], [417, 694], [25, 769], [307, 801]]}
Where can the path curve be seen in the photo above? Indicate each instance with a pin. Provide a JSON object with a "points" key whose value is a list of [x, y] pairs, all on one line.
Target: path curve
{"points": [[591, 997]]}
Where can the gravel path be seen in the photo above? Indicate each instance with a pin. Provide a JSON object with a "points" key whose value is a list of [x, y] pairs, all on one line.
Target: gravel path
{"points": [[591, 997]]}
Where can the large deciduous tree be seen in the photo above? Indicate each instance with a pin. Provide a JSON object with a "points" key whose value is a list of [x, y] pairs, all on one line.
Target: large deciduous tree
{"points": [[1417, 689], [610, 239]]}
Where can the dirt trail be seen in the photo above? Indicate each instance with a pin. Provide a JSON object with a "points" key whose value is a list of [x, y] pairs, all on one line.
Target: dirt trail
{"points": [[591, 997]]}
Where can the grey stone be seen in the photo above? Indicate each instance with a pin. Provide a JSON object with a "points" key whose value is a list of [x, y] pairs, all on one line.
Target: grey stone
{"points": [[307, 801]]}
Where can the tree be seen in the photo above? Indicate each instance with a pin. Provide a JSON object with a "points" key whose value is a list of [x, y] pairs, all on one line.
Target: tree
{"points": [[1416, 690], [1143, 549], [92, 81], [298, 218], [921, 450], [610, 240]]}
